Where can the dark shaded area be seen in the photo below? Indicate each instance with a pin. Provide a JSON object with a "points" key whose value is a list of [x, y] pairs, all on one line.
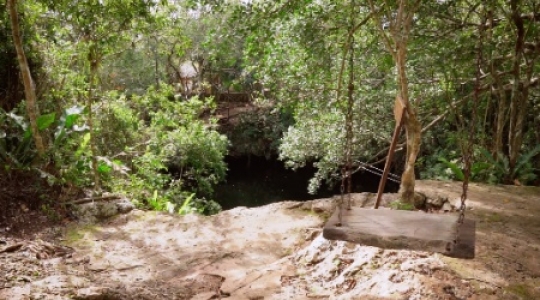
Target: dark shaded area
{"points": [[265, 181], [11, 86], [11, 89], [28, 204]]}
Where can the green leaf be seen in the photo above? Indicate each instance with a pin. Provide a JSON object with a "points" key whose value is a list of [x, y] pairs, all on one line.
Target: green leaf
{"points": [[493, 163], [104, 168], [458, 173], [525, 158], [71, 115], [478, 167], [83, 145], [27, 134], [67, 121], [185, 206], [70, 120], [45, 121]]}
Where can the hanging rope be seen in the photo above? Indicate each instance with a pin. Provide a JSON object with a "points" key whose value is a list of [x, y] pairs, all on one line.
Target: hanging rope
{"points": [[467, 149], [374, 170], [346, 181], [350, 106]]}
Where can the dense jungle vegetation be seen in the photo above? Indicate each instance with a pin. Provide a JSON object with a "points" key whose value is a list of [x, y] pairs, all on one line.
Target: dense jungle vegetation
{"points": [[120, 95]]}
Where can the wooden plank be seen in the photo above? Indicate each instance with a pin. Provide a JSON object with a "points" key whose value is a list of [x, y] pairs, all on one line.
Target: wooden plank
{"points": [[466, 241], [398, 229]]}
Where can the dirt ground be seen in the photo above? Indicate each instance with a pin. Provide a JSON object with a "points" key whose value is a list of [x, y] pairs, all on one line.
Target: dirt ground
{"points": [[274, 252]]}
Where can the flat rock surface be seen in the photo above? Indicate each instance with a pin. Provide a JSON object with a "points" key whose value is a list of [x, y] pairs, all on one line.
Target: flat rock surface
{"points": [[277, 252]]}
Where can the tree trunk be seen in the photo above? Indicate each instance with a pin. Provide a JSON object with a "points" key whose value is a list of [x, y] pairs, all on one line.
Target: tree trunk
{"points": [[400, 34], [29, 88], [94, 59], [517, 101], [396, 44], [501, 115], [412, 126]]}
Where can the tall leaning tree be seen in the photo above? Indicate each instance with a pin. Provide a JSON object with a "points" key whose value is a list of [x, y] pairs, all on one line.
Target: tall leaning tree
{"points": [[395, 39], [29, 87]]}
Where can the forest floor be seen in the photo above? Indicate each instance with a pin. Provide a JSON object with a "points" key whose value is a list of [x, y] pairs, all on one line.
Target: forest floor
{"points": [[270, 252]]}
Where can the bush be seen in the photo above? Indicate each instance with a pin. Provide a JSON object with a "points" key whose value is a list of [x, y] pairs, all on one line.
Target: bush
{"points": [[178, 157]]}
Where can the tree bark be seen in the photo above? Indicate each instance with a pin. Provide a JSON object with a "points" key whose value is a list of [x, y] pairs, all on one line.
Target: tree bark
{"points": [[400, 26], [502, 104], [94, 60], [412, 127], [29, 88], [517, 101]]}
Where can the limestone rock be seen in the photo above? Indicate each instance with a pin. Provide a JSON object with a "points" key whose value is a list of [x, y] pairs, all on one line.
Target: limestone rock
{"points": [[92, 293], [57, 285], [437, 201], [107, 210], [322, 206], [124, 206], [419, 200], [456, 203], [94, 211], [447, 207], [205, 296]]}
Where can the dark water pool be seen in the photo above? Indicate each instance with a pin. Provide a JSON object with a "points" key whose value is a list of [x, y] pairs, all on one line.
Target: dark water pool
{"points": [[266, 181]]}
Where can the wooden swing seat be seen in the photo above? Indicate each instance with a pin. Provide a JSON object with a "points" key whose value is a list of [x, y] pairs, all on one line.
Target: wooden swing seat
{"points": [[399, 229]]}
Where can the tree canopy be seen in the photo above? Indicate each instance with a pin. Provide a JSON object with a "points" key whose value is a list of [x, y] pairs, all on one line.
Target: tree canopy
{"points": [[111, 105]]}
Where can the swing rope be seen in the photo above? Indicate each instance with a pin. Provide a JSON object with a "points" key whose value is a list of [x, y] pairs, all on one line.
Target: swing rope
{"points": [[346, 181], [467, 149], [374, 170]]}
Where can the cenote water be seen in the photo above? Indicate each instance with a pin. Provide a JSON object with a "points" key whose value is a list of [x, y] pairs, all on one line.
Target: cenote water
{"points": [[266, 181]]}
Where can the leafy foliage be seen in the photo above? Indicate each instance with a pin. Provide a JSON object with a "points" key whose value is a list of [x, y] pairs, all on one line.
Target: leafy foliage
{"points": [[16, 147], [167, 152], [259, 132], [500, 172], [176, 154], [398, 205]]}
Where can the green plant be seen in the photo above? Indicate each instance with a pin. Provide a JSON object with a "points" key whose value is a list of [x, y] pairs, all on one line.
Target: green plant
{"points": [[16, 146], [119, 125], [185, 208], [50, 212], [259, 132], [458, 173], [398, 205], [157, 202], [477, 169], [175, 155], [432, 168], [521, 290], [500, 171], [198, 205]]}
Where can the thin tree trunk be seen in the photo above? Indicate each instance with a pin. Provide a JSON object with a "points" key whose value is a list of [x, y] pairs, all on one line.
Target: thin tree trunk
{"points": [[400, 25], [501, 107], [517, 101], [400, 34], [156, 62], [94, 66], [501, 117], [29, 88], [413, 129]]}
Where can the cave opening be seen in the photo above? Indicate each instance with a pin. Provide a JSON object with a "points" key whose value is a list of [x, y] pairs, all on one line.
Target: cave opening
{"points": [[256, 181]]}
